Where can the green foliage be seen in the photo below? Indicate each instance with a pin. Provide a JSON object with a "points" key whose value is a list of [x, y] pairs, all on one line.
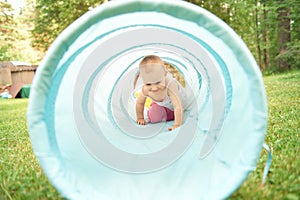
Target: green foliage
{"points": [[6, 16], [255, 21], [54, 16], [6, 53], [292, 54], [294, 6], [276, 50], [15, 37], [238, 14], [8, 33]]}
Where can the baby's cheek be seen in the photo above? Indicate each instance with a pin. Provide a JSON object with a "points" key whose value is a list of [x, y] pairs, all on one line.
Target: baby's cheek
{"points": [[162, 86], [146, 87]]}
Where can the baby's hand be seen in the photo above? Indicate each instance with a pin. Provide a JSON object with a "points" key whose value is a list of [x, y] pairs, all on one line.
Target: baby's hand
{"points": [[173, 127], [141, 121]]}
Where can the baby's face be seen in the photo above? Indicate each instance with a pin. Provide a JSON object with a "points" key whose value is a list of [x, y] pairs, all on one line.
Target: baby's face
{"points": [[153, 76]]}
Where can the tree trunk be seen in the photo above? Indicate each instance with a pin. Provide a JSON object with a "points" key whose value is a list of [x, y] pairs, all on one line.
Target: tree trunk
{"points": [[284, 32], [266, 56], [258, 31]]}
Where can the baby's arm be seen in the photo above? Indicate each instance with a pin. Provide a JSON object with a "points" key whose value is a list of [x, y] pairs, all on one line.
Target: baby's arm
{"points": [[174, 94], [139, 107]]}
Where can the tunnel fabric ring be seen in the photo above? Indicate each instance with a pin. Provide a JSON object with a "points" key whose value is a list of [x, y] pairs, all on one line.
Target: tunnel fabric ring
{"points": [[81, 111]]}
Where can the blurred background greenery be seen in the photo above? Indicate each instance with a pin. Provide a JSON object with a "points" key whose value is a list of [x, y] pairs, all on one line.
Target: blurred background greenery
{"points": [[271, 29]]}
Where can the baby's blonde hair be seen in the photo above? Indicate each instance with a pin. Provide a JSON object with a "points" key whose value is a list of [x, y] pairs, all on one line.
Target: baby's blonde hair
{"points": [[151, 59]]}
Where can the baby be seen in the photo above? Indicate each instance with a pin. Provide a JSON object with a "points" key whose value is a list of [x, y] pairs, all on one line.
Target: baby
{"points": [[165, 92]]}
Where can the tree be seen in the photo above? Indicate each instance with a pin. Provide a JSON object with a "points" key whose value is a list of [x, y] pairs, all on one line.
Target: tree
{"points": [[284, 31], [289, 35], [53, 16], [241, 16], [265, 40], [258, 35], [271, 29], [8, 32]]}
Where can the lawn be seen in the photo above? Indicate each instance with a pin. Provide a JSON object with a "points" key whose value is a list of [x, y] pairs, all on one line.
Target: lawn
{"points": [[22, 178]]}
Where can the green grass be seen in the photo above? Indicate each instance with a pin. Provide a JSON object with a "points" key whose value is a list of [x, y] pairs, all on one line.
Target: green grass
{"points": [[22, 178], [283, 181]]}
